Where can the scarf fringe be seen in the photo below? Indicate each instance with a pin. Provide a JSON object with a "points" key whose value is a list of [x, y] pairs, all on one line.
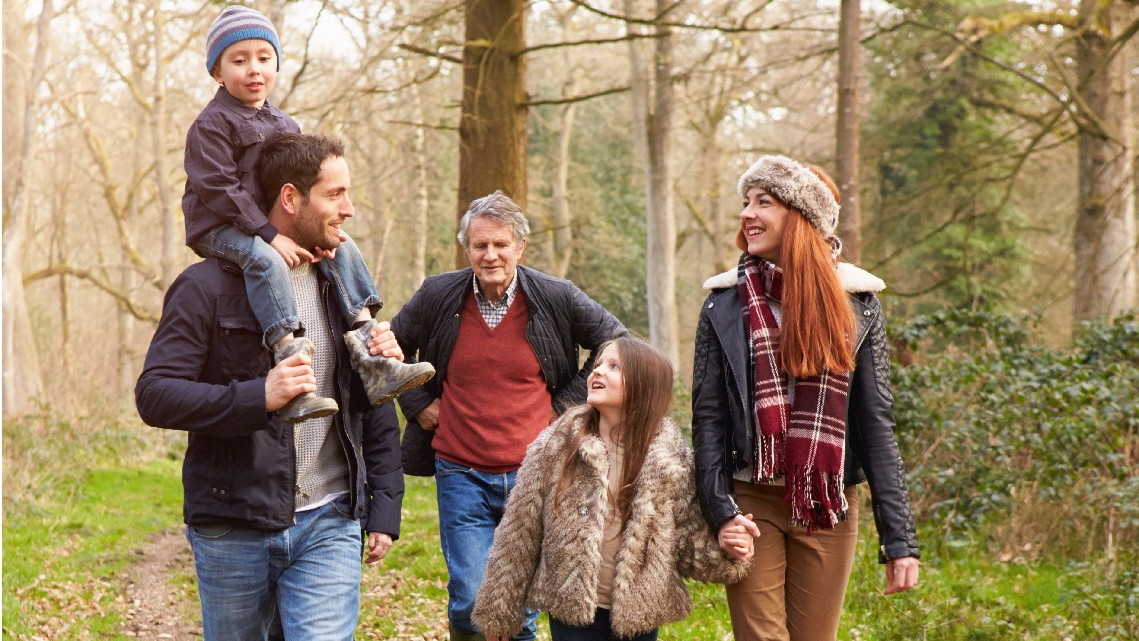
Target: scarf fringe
{"points": [[816, 498], [771, 459]]}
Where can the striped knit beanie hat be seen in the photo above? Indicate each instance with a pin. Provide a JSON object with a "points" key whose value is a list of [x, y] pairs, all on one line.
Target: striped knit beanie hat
{"points": [[234, 25]]}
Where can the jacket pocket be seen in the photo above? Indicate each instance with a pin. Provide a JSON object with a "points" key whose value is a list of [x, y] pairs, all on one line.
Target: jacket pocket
{"points": [[245, 140], [240, 353]]}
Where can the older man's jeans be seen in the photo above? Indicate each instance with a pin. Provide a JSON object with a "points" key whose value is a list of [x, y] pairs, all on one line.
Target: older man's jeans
{"points": [[310, 572], [471, 504]]}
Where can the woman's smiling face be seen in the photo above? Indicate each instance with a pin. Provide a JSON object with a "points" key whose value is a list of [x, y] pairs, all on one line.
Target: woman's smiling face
{"points": [[762, 222]]}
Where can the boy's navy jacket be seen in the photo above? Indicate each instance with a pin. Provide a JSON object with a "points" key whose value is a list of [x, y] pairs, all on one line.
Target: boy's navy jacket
{"points": [[205, 374], [222, 148]]}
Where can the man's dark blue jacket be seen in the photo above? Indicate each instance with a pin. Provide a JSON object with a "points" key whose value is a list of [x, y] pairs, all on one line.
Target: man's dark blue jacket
{"points": [[205, 374]]}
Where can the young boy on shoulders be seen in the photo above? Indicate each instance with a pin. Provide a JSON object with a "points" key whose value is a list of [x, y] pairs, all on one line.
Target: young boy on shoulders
{"points": [[225, 214]]}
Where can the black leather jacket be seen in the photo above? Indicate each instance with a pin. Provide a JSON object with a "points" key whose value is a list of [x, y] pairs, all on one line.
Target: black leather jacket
{"points": [[723, 431], [562, 318]]}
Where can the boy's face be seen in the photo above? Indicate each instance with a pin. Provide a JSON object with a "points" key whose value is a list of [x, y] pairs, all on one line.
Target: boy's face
{"points": [[248, 69]]}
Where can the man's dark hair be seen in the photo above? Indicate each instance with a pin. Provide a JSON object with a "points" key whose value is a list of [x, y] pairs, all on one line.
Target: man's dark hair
{"points": [[295, 159]]}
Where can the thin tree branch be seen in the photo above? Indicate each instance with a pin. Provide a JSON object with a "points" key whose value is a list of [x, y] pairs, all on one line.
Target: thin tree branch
{"points": [[122, 299], [655, 22], [598, 41], [571, 99], [434, 54]]}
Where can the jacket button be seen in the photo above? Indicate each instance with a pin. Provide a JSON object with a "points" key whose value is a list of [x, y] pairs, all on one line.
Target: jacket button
{"points": [[260, 135], [866, 312], [582, 510], [710, 305]]}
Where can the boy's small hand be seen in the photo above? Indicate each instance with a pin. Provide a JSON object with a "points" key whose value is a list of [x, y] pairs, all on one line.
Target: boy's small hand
{"points": [[293, 253], [324, 253]]}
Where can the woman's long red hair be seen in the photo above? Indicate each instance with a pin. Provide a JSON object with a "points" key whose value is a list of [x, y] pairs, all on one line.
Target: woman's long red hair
{"points": [[818, 323]]}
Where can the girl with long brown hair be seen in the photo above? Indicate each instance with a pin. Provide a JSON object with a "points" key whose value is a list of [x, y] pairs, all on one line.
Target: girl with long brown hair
{"points": [[603, 523], [792, 409]]}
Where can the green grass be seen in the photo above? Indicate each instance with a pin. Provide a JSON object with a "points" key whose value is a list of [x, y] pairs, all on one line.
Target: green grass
{"points": [[72, 525], [60, 562]]}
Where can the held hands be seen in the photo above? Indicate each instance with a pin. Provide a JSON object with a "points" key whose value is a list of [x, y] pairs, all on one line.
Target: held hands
{"points": [[293, 253], [288, 378], [383, 341], [901, 574], [378, 546], [737, 537]]}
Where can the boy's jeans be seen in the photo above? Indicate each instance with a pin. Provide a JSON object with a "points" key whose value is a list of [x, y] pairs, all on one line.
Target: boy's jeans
{"points": [[310, 571], [270, 289], [471, 504]]}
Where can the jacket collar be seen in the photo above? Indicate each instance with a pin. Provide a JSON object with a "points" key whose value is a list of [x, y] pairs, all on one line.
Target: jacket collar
{"points": [[234, 105], [854, 280], [593, 453]]}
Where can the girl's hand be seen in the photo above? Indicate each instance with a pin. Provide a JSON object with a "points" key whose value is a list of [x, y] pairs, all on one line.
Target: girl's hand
{"points": [[737, 537], [901, 574]]}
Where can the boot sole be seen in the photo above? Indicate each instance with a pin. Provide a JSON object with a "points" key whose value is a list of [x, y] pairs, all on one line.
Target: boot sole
{"points": [[298, 418], [410, 383]]}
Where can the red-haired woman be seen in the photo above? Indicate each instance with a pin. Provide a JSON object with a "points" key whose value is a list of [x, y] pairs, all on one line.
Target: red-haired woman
{"points": [[603, 523], [792, 407]]}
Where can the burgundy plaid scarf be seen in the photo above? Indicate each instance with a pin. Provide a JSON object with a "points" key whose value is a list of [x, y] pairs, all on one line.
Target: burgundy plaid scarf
{"points": [[802, 442]]}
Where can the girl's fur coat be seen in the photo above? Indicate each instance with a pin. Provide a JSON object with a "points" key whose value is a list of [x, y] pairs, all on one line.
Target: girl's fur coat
{"points": [[550, 559]]}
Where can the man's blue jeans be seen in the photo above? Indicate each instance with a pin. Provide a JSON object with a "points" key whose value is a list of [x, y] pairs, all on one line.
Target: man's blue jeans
{"points": [[471, 504], [310, 572]]}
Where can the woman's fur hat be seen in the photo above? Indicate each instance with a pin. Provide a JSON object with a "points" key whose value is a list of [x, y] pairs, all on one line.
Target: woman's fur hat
{"points": [[797, 187]]}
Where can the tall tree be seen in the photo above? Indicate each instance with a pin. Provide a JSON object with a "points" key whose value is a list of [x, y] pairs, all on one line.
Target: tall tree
{"points": [[492, 127], [847, 132], [652, 100], [1098, 103], [24, 65], [1106, 242]]}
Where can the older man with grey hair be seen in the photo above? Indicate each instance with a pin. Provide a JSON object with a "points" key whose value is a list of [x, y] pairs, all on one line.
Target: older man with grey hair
{"points": [[504, 341]]}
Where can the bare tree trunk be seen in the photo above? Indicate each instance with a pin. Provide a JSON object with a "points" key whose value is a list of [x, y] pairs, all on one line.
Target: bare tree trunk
{"points": [[562, 253], [419, 224], [847, 135], [492, 126], [128, 346], [1105, 237], [23, 381], [171, 233], [654, 125], [560, 238]]}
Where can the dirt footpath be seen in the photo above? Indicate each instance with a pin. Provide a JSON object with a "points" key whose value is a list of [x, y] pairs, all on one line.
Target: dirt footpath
{"points": [[158, 595]]}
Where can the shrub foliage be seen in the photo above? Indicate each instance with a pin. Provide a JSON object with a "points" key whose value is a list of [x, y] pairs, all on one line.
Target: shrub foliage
{"points": [[1037, 447]]}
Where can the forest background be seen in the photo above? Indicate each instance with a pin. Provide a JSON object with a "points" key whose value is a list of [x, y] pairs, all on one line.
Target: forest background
{"points": [[986, 153]]}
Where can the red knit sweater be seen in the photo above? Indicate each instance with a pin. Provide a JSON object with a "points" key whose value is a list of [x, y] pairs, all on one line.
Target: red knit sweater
{"points": [[495, 399]]}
